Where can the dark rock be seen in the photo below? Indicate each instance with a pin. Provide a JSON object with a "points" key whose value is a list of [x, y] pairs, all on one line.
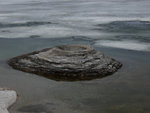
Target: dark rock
{"points": [[66, 62]]}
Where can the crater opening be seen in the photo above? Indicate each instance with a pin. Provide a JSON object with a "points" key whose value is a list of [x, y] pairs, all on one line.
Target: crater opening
{"points": [[74, 48]]}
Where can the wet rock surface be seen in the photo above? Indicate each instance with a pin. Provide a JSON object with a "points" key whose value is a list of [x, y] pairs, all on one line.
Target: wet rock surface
{"points": [[67, 62]]}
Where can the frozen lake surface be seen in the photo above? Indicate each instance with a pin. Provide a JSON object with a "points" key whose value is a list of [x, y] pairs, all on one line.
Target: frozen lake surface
{"points": [[109, 20]]}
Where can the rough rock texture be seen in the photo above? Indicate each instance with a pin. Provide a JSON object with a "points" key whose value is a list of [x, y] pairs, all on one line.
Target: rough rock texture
{"points": [[7, 98], [67, 62]]}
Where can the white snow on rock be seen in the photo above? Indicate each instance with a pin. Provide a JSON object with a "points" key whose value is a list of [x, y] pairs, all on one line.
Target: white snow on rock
{"points": [[7, 98]]}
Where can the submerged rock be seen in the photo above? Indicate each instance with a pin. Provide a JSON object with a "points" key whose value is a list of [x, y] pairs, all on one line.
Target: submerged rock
{"points": [[7, 98], [67, 62]]}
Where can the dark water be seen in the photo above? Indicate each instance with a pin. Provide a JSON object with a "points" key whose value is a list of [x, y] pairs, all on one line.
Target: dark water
{"points": [[125, 91], [118, 28]]}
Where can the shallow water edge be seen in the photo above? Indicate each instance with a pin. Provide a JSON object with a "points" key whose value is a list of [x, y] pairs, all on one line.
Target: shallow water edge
{"points": [[125, 91]]}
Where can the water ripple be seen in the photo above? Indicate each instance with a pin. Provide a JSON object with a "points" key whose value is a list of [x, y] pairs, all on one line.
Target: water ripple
{"points": [[25, 24]]}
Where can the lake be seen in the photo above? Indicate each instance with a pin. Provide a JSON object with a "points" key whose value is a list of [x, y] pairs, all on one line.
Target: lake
{"points": [[118, 28]]}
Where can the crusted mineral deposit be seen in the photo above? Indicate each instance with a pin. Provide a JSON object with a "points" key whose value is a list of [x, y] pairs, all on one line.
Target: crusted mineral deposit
{"points": [[67, 62]]}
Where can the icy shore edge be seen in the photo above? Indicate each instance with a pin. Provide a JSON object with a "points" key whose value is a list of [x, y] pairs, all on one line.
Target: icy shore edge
{"points": [[7, 98]]}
